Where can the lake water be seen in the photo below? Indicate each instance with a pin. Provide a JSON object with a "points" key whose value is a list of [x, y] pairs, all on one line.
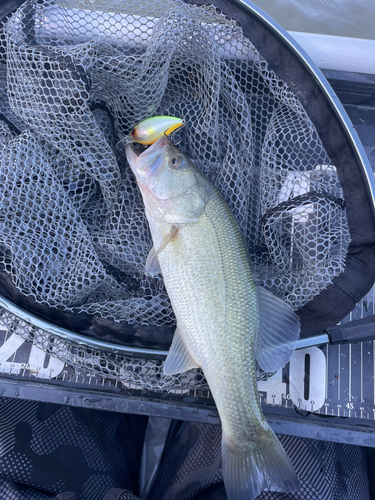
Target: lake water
{"points": [[350, 18]]}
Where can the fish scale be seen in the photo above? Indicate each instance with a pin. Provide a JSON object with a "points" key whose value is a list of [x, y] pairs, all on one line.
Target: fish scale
{"points": [[202, 256], [225, 298]]}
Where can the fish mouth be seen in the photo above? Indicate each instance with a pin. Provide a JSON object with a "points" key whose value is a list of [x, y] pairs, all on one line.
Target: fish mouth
{"points": [[140, 150], [136, 148], [141, 159]]}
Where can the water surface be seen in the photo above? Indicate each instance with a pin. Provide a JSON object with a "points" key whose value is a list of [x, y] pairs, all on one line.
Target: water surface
{"points": [[350, 18]]}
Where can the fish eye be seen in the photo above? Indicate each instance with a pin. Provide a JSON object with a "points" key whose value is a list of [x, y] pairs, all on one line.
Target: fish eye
{"points": [[132, 133], [175, 161]]}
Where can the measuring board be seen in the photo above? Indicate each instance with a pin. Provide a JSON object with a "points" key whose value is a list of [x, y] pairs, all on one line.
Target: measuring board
{"points": [[335, 380]]}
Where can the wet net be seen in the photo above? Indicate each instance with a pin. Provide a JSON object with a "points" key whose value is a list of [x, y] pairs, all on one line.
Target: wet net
{"points": [[75, 78]]}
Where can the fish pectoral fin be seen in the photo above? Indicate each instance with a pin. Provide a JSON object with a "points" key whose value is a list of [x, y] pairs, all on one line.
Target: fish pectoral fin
{"points": [[179, 359], [278, 333], [152, 263], [152, 266]]}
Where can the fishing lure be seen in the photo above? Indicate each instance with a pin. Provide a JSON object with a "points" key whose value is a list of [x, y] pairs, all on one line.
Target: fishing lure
{"points": [[150, 130]]}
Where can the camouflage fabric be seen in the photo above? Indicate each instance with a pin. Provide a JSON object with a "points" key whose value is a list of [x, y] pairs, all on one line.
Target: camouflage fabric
{"points": [[50, 451], [47, 449], [190, 468]]}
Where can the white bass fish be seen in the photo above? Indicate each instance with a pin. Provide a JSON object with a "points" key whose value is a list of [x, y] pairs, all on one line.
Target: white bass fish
{"points": [[224, 321]]}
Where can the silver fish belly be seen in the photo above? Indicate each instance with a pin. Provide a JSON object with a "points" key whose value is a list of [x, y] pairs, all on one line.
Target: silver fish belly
{"points": [[207, 261], [222, 316], [208, 278]]}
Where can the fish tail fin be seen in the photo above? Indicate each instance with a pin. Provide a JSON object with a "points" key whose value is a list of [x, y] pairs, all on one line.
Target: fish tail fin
{"points": [[250, 468]]}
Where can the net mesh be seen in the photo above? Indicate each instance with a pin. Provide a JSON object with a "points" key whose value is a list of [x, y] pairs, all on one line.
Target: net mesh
{"points": [[75, 78], [129, 371]]}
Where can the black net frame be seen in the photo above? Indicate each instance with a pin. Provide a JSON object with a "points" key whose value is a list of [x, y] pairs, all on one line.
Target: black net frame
{"points": [[346, 289]]}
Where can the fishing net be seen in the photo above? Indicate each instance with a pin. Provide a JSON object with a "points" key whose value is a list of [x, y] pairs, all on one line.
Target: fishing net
{"points": [[75, 78], [131, 372]]}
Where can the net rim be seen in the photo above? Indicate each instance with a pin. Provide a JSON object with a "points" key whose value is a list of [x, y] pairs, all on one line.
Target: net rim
{"points": [[77, 338], [352, 137]]}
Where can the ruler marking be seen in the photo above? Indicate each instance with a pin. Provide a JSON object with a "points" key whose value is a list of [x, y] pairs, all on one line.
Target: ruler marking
{"points": [[350, 374], [326, 395], [361, 374], [365, 385], [339, 370]]}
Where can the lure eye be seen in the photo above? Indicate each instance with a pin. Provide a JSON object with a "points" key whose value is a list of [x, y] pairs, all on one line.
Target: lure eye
{"points": [[175, 162], [133, 132]]}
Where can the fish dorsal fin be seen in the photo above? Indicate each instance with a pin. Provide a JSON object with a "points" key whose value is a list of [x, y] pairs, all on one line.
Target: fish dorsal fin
{"points": [[152, 263], [278, 333], [179, 358]]}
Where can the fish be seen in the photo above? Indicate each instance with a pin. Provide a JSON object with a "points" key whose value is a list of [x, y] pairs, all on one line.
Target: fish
{"points": [[225, 322], [150, 130]]}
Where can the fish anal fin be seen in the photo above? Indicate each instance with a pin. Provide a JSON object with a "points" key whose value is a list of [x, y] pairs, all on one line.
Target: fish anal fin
{"points": [[179, 359], [278, 333]]}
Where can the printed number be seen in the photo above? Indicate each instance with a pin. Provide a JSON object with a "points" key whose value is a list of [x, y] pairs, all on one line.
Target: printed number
{"points": [[273, 388], [308, 391], [350, 406], [36, 358], [287, 396]]}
